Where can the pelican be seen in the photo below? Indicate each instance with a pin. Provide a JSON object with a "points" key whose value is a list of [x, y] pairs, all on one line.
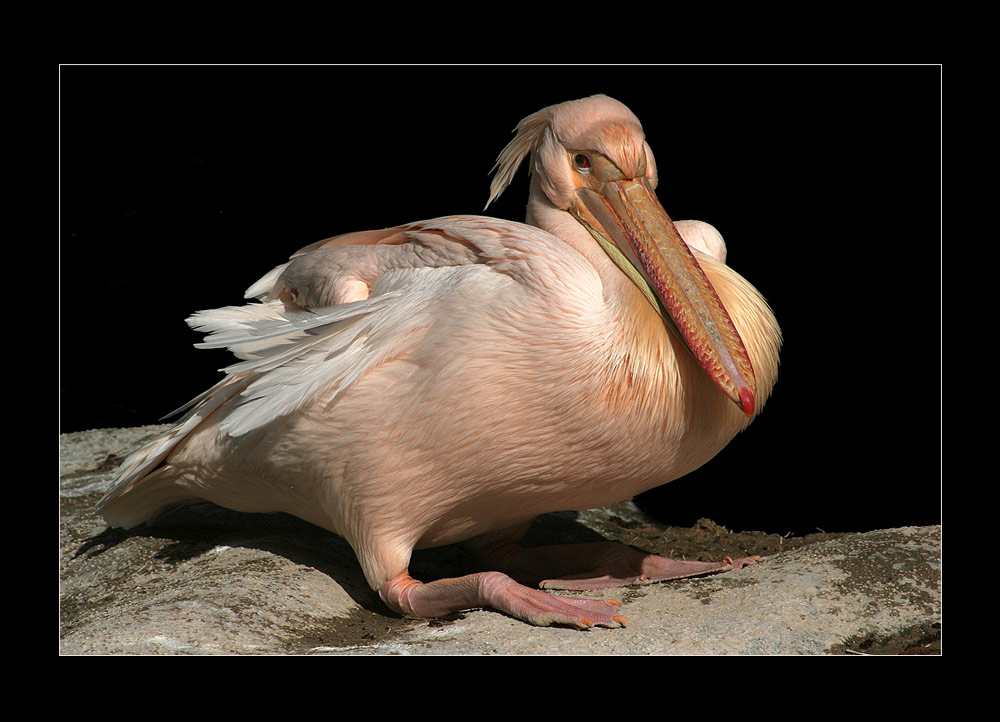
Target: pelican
{"points": [[449, 380]]}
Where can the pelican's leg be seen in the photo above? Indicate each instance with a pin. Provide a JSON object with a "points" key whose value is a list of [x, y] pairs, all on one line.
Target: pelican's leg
{"points": [[619, 565], [597, 565], [413, 598]]}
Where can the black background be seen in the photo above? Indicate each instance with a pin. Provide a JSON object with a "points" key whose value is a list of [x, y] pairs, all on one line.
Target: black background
{"points": [[181, 185]]}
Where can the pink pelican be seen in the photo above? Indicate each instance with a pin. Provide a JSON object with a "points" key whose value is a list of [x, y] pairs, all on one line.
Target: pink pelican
{"points": [[449, 380]]}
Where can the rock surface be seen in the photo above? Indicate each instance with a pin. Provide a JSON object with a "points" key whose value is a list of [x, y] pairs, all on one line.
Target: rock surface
{"points": [[206, 580]]}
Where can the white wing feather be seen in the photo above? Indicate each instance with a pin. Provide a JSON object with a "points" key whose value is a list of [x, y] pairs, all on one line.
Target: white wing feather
{"points": [[295, 354]]}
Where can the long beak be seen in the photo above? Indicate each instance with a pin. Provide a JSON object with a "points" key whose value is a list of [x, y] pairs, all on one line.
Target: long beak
{"points": [[627, 219]]}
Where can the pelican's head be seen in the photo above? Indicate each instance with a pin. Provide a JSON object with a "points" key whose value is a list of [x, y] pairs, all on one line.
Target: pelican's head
{"points": [[590, 159]]}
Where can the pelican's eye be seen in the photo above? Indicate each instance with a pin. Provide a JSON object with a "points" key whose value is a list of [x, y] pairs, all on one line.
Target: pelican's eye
{"points": [[582, 162]]}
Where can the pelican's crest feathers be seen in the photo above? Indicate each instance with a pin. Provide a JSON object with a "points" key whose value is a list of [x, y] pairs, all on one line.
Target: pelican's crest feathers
{"points": [[528, 135]]}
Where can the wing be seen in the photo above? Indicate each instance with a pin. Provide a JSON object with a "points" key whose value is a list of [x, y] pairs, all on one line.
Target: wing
{"points": [[703, 237], [342, 307]]}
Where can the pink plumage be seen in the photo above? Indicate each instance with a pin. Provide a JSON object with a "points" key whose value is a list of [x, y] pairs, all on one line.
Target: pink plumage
{"points": [[448, 380]]}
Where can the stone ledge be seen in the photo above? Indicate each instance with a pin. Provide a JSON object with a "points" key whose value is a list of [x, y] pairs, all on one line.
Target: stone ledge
{"points": [[205, 580]]}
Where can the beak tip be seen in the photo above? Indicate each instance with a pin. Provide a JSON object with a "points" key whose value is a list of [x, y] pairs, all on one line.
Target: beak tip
{"points": [[747, 401]]}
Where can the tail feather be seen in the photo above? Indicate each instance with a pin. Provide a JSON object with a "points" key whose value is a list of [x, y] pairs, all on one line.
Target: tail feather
{"points": [[121, 508]]}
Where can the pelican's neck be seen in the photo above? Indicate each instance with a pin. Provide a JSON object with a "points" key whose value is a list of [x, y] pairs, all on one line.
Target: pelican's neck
{"points": [[647, 367], [639, 367], [620, 293]]}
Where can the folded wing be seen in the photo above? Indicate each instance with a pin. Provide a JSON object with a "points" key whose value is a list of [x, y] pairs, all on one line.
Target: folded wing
{"points": [[334, 312]]}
